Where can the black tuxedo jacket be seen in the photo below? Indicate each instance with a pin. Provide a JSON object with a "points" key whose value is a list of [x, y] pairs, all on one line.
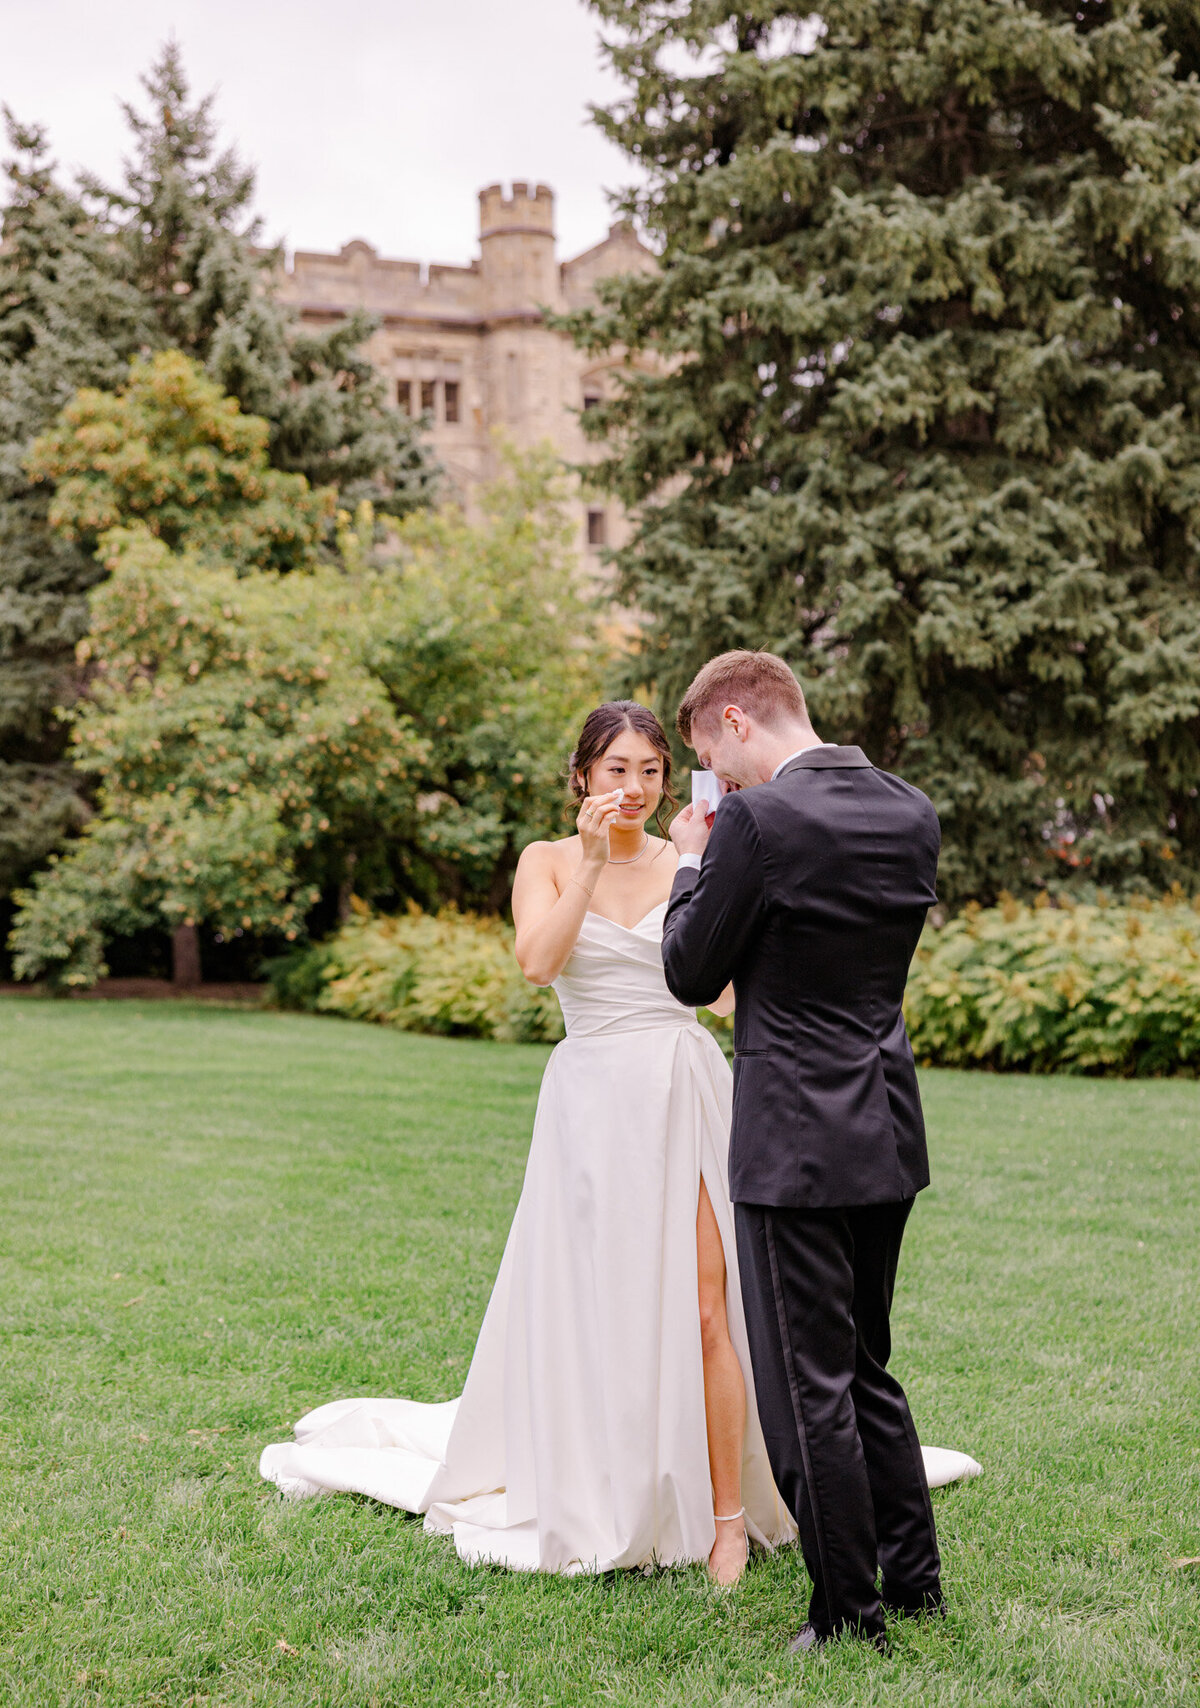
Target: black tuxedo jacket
{"points": [[811, 897]]}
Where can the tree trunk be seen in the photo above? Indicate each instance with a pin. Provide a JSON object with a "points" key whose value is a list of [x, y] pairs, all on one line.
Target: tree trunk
{"points": [[346, 888], [185, 957]]}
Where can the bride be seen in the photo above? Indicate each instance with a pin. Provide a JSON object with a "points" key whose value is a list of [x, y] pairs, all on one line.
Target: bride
{"points": [[608, 1417]]}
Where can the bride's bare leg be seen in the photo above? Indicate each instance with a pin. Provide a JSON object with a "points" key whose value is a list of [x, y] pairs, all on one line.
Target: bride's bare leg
{"points": [[724, 1397]]}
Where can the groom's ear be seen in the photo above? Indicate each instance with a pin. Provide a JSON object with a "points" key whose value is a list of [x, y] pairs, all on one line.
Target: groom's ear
{"points": [[734, 719]]}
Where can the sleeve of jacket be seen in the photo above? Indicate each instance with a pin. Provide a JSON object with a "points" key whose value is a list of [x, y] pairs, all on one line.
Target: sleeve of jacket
{"points": [[713, 914]]}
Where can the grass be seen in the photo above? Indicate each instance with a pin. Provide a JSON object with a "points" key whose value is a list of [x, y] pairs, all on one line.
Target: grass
{"points": [[211, 1221]]}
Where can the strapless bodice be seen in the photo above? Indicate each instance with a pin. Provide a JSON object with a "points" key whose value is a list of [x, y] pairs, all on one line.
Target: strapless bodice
{"points": [[614, 980], [580, 1440]]}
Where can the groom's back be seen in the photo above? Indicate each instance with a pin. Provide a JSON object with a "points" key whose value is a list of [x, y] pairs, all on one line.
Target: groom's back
{"points": [[826, 1107], [851, 863]]}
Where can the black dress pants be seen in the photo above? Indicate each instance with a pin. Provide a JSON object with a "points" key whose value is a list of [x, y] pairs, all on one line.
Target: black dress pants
{"points": [[817, 1288]]}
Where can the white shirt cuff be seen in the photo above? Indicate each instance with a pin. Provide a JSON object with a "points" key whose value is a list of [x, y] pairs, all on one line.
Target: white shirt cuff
{"points": [[692, 860]]}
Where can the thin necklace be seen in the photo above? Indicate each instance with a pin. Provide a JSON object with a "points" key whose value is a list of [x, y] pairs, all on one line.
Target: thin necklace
{"points": [[629, 859]]}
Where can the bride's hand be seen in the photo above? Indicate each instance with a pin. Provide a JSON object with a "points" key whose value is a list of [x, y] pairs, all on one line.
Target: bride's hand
{"points": [[595, 816]]}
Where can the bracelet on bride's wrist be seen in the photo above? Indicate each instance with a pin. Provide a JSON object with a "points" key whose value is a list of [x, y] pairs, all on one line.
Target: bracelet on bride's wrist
{"points": [[582, 885]]}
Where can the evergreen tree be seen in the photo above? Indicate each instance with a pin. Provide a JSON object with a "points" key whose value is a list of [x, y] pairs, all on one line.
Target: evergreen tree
{"points": [[922, 408], [68, 317], [86, 282], [182, 218]]}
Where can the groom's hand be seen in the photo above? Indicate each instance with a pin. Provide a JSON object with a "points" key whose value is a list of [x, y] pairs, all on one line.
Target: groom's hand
{"points": [[689, 831]]}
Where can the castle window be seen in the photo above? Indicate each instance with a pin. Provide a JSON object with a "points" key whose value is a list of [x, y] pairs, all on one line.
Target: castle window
{"points": [[597, 533], [428, 390], [404, 396], [591, 400], [450, 399]]}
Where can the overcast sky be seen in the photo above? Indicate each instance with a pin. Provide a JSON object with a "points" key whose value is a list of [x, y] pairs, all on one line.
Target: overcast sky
{"points": [[379, 119]]}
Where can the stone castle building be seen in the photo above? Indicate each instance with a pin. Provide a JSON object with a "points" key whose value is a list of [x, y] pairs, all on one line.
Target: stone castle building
{"points": [[469, 347]]}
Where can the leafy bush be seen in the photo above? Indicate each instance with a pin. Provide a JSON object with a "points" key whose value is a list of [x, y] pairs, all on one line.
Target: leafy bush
{"points": [[393, 721], [449, 973], [243, 747], [1086, 989], [170, 451], [486, 643]]}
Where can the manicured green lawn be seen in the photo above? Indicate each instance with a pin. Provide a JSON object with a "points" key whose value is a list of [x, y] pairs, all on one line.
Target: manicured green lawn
{"points": [[210, 1221]]}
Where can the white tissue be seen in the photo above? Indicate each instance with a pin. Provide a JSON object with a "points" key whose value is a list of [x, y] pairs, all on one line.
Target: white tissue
{"points": [[706, 789]]}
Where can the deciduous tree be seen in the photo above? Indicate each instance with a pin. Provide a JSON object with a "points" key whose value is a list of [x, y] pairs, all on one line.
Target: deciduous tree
{"points": [[244, 751], [169, 258], [170, 451], [490, 646], [394, 723]]}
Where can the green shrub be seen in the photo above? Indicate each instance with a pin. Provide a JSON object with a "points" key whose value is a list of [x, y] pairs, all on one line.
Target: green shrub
{"points": [[721, 1027], [1087, 988], [449, 973]]}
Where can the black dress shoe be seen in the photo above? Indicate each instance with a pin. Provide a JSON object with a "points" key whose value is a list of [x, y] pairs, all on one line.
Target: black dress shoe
{"points": [[931, 1607], [804, 1640]]}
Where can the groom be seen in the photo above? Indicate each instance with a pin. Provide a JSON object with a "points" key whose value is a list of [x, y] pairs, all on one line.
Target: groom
{"points": [[810, 893]]}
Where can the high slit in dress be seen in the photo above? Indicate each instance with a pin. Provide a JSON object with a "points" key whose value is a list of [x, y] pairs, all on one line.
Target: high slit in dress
{"points": [[579, 1441]]}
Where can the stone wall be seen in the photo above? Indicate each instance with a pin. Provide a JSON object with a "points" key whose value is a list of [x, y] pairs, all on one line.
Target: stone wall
{"points": [[469, 346]]}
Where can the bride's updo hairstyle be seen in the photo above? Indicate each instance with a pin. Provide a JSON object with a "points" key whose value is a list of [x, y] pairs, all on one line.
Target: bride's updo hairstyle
{"points": [[602, 728]]}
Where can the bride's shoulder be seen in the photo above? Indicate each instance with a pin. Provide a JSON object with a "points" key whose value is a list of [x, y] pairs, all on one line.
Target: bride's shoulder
{"points": [[548, 856], [542, 874]]}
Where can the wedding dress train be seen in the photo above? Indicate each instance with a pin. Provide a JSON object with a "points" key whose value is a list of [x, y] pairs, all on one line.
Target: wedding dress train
{"points": [[579, 1441]]}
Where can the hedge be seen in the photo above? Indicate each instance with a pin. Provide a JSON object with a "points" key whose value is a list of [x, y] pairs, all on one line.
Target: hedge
{"points": [[449, 973], [1093, 988]]}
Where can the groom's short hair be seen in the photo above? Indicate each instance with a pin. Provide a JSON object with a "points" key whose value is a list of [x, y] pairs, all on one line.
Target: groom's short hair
{"points": [[761, 683]]}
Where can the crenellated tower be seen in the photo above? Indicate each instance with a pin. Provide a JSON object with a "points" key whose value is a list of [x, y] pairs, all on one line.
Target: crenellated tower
{"points": [[467, 347], [516, 248]]}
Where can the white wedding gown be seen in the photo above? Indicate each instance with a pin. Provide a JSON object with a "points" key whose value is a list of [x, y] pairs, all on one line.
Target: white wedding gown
{"points": [[579, 1442]]}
